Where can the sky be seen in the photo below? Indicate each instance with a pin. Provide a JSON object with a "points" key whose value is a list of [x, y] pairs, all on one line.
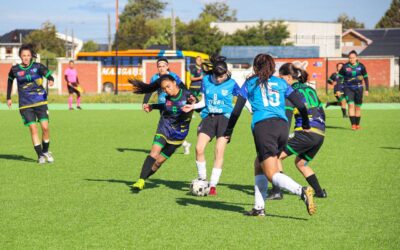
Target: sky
{"points": [[88, 18]]}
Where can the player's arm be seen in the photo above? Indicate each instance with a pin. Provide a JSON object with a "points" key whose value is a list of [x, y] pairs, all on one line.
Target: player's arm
{"points": [[341, 73], [198, 105], [365, 76], [10, 81], [297, 100], [332, 79], [46, 73], [289, 107]]}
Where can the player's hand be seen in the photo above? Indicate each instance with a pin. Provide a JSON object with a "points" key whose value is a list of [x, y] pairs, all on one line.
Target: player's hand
{"points": [[187, 108], [147, 108], [366, 93], [191, 99], [50, 83], [9, 103]]}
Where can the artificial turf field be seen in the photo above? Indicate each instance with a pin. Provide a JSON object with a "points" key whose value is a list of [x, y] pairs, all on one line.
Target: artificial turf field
{"points": [[84, 199]]}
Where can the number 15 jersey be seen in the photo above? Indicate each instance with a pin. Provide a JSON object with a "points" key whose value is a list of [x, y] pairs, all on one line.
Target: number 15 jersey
{"points": [[267, 99]]}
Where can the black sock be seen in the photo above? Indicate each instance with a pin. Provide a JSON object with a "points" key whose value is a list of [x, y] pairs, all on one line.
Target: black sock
{"points": [[353, 120], [313, 181], [358, 118], [38, 149], [344, 111], [45, 146], [146, 169], [151, 173], [333, 103]]}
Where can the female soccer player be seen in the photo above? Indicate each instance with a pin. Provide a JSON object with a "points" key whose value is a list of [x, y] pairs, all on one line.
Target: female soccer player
{"points": [[196, 76], [353, 73], [266, 94], [217, 92], [71, 76], [32, 99], [173, 126], [338, 91], [163, 69], [304, 144]]}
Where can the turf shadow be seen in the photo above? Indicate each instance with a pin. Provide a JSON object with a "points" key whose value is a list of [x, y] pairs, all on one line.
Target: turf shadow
{"points": [[337, 127], [16, 158], [149, 185], [247, 189], [220, 205], [146, 151], [394, 148]]}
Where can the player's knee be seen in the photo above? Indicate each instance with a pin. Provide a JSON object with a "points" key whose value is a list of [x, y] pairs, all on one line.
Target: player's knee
{"points": [[154, 154], [200, 150]]}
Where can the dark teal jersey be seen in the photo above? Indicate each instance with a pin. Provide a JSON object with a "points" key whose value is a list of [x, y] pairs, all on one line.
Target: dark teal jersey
{"points": [[31, 92], [353, 75]]}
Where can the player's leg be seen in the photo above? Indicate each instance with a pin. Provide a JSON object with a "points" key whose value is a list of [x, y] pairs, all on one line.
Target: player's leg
{"points": [[29, 119], [342, 100], [260, 191], [358, 103], [70, 97], [167, 151], [220, 146], [158, 144], [78, 99], [311, 177], [43, 117], [202, 141], [186, 147], [350, 94], [276, 193]]}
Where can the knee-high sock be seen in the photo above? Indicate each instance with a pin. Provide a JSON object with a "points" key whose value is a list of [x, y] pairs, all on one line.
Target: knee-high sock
{"points": [[201, 170], [287, 183], [260, 191], [78, 101], [146, 168], [70, 101], [216, 173]]}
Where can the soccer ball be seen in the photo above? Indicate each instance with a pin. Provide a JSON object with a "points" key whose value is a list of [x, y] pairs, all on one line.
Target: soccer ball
{"points": [[199, 187]]}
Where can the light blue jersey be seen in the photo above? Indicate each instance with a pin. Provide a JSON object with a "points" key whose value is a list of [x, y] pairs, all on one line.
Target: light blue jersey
{"points": [[267, 100], [160, 92], [218, 96]]}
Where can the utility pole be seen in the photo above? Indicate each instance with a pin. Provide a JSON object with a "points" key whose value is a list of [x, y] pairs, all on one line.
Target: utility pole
{"points": [[109, 33], [173, 26], [66, 43], [73, 45], [116, 48]]}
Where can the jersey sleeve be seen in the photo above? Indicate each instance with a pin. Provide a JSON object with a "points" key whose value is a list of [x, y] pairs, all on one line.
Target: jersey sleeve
{"points": [[243, 91], [342, 72], [332, 78], [44, 71], [289, 90], [364, 71], [193, 71], [236, 89]]}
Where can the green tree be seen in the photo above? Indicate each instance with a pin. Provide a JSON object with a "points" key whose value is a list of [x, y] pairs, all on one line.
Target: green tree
{"points": [[273, 33], [134, 30], [197, 35], [90, 46], [391, 19], [349, 23], [220, 11], [45, 39]]}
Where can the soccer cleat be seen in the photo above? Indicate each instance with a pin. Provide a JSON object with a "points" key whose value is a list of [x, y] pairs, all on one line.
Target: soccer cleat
{"points": [[186, 148], [323, 194], [49, 157], [275, 195], [255, 212], [139, 185], [358, 127], [79, 107], [213, 191], [354, 127], [71, 108], [345, 116], [42, 159], [307, 194]]}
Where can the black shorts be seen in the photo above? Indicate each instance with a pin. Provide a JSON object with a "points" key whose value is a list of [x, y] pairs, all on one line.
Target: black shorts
{"points": [[214, 125], [72, 90], [270, 137], [354, 95], [167, 148], [34, 114], [304, 145]]}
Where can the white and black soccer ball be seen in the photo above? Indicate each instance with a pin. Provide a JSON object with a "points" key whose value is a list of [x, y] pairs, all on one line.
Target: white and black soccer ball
{"points": [[199, 187]]}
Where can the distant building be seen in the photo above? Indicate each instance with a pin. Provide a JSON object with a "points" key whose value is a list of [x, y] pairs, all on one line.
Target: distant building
{"points": [[372, 42], [326, 35], [12, 41]]}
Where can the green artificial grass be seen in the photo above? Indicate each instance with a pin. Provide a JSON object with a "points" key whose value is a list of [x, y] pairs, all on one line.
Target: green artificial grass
{"points": [[84, 199]]}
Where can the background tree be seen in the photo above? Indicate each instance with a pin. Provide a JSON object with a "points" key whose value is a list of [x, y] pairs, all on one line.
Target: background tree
{"points": [[391, 19], [134, 31], [45, 39], [273, 33], [220, 11], [349, 23], [90, 46]]}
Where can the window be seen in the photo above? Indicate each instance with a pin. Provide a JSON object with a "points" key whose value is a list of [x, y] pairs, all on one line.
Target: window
{"points": [[348, 44], [337, 42], [9, 50]]}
